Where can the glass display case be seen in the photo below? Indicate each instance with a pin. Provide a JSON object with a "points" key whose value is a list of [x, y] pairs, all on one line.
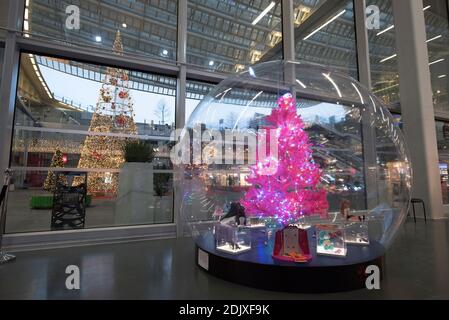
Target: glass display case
{"points": [[292, 146], [232, 239], [357, 233], [331, 240]]}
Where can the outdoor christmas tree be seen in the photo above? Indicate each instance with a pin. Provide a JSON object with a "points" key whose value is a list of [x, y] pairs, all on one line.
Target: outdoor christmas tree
{"points": [[56, 162], [290, 190], [112, 124]]}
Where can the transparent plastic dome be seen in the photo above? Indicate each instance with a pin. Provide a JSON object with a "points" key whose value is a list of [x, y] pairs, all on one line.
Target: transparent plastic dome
{"points": [[336, 171]]}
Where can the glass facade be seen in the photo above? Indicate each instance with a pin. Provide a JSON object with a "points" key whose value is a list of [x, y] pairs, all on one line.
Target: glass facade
{"points": [[383, 59], [437, 28], [443, 153], [221, 36], [195, 92], [148, 28], [61, 134], [327, 35], [228, 36]]}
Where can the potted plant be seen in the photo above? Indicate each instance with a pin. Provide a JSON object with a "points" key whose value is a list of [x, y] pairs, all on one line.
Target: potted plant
{"points": [[138, 152], [135, 200]]}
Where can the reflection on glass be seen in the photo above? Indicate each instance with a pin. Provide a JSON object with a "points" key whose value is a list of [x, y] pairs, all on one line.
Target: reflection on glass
{"points": [[228, 36], [326, 34], [195, 92], [148, 27], [437, 27], [303, 9], [115, 127], [383, 58]]}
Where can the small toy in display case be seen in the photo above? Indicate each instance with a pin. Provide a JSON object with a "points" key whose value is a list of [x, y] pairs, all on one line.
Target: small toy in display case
{"points": [[357, 233], [292, 244], [331, 240], [303, 224], [232, 238], [345, 207], [348, 215]]}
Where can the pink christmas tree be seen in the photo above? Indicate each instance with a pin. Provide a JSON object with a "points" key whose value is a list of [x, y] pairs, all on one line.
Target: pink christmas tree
{"points": [[290, 190]]}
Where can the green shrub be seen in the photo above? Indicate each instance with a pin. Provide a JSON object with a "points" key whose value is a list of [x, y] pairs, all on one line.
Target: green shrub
{"points": [[139, 151]]}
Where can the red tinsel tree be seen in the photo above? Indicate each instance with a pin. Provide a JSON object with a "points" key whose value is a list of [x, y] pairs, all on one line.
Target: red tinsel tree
{"points": [[291, 190]]}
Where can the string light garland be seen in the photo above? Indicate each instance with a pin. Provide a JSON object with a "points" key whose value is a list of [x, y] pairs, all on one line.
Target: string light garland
{"points": [[35, 145], [114, 113]]}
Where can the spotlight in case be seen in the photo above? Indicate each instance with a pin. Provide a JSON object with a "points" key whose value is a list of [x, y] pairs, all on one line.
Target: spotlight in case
{"points": [[124, 25], [211, 63], [165, 52], [98, 39]]}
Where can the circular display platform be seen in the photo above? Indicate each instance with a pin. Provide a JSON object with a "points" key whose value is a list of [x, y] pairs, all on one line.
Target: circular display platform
{"points": [[256, 268]]}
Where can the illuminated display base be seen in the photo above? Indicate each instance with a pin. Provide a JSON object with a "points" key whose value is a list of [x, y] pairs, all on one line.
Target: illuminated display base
{"points": [[256, 226], [358, 241], [229, 249], [336, 252], [257, 268]]}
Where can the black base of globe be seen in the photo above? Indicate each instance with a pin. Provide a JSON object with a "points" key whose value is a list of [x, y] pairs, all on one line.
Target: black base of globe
{"points": [[294, 279], [322, 274]]}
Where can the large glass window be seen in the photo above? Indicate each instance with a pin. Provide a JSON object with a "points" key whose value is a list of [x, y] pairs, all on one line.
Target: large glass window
{"points": [[437, 27], [148, 27], [75, 119], [383, 57], [325, 34], [229, 35], [195, 92]]}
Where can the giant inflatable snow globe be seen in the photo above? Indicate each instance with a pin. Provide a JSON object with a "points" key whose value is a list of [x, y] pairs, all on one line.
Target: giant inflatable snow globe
{"points": [[294, 178]]}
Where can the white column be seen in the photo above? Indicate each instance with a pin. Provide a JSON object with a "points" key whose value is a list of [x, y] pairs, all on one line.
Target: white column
{"points": [[416, 103], [180, 105]]}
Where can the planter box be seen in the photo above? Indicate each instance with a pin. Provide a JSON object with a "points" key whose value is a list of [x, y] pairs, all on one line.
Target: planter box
{"points": [[45, 202], [135, 199]]}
